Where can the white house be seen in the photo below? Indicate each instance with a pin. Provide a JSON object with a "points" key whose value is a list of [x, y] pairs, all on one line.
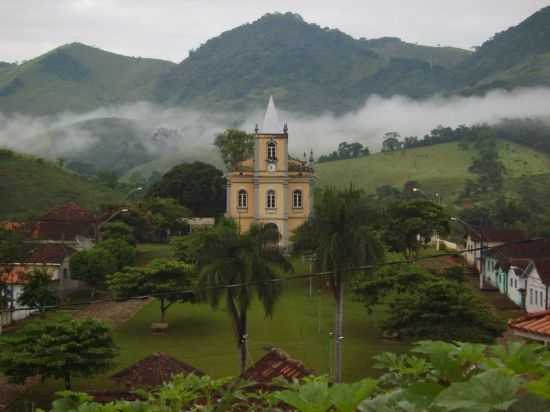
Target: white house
{"points": [[51, 257], [486, 237], [537, 286]]}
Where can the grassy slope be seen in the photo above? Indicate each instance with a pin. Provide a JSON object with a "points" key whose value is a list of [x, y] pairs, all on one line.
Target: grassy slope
{"points": [[442, 168], [29, 186], [165, 163], [392, 47], [77, 77]]}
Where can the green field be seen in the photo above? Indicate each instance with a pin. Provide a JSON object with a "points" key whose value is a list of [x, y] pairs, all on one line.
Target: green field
{"points": [[29, 186], [439, 168], [203, 337]]}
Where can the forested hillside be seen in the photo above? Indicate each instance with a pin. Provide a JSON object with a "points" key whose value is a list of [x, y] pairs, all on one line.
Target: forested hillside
{"points": [[29, 186], [77, 78], [308, 69]]}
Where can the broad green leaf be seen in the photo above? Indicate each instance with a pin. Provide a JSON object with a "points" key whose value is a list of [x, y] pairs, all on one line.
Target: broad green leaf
{"points": [[346, 397], [310, 397], [486, 392]]}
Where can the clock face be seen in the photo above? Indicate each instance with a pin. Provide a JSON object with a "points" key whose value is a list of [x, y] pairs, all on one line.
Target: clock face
{"points": [[271, 167]]}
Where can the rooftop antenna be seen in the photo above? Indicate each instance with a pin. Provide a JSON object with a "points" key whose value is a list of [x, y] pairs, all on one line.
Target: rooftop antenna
{"points": [[256, 129]]}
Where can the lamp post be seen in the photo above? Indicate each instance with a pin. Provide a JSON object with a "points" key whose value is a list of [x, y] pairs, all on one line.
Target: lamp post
{"points": [[111, 217], [480, 234], [438, 201], [131, 192]]}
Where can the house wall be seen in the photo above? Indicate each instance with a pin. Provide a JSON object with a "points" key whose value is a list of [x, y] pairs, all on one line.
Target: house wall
{"points": [[535, 292], [515, 284]]}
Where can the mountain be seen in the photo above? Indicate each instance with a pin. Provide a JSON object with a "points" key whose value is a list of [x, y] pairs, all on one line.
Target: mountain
{"points": [[30, 186], [77, 78], [307, 68], [517, 57]]}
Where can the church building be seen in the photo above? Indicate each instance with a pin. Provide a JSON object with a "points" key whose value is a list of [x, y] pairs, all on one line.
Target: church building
{"points": [[271, 187]]}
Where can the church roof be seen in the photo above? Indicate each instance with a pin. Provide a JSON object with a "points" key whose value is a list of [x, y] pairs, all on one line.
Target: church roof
{"points": [[271, 123]]}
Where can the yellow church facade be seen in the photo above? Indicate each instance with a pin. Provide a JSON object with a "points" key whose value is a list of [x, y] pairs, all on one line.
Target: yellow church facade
{"points": [[271, 187]]}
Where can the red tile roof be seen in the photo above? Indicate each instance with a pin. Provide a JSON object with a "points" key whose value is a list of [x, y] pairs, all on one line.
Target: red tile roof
{"points": [[69, 212], [276, 363], [529, 250], [492, 234], [11, 226], [543, 269], [535, 323], [14, 276], [153, 371], [50, 253]]}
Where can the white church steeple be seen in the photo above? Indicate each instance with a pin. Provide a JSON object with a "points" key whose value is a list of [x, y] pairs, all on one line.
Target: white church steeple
{"points": [[271, 123]]}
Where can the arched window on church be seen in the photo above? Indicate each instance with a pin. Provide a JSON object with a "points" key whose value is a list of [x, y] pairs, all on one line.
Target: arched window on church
{"points": [[243, 199], [270, 200], [271, 151], [297, 199]]}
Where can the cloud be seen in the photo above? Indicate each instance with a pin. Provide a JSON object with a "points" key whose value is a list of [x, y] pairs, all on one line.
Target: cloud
{"points": [[62, 135]]}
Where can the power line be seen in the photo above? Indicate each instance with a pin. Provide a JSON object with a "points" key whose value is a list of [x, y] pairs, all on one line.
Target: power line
{"points": [[276, 280]]}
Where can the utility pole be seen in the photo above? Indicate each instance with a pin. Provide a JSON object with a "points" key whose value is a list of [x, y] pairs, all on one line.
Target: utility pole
{"points": [[339, 327]]}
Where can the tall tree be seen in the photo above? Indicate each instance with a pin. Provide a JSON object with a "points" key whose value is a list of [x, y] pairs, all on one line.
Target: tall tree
{"points": [[226, 257], [412, 222], [92, 266], [37, 293], [234, 146], [339, 232], [60, 349], [167, 280], [197, 186]]}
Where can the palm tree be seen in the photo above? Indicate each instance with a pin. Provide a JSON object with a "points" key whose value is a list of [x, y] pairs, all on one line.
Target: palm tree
{"points": [[249, 261], [340, 233]]}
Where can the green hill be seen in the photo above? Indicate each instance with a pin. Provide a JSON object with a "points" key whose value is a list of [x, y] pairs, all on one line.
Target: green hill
{"points": [[77, 78], [519, 56], [440, 168], [29, 186], [306, 67]]}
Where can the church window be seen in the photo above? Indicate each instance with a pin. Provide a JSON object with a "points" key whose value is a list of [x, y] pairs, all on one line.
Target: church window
{"points": [[297, 199], [243, 199], [271, 151], [270, 199]]}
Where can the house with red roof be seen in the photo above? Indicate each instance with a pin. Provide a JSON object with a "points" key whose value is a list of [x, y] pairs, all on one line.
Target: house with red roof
{"points": [[487, 237], [51, 257], [66, 223], [534, 326]]}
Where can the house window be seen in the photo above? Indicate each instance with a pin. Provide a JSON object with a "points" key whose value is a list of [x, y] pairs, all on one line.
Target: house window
{"points": [[511, 283], [270, 199], [271, 151], [530, 296], [297, 199], [243, 199]]}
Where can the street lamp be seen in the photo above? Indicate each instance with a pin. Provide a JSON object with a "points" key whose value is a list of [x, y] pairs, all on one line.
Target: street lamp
{"points": [[131, 192], [436, 195], [111, 217]]}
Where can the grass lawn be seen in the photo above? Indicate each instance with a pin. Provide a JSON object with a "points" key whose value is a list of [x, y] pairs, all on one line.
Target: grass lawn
{"points": [[203, 337]]}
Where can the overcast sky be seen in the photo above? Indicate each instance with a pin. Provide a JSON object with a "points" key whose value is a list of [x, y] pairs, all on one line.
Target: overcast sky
{"points": [[168, 29]]}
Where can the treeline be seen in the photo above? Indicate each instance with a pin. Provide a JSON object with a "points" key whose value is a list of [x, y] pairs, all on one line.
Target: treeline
{"points": [[346, 151], [531, 132]]}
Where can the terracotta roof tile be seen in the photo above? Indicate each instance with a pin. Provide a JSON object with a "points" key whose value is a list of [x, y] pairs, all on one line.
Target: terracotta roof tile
{"points": [[530, 250], [50, 253], [68, 212], [276, 363], [14, 276], [492, 234], [543, 268], [153, 371], [535, 323]]}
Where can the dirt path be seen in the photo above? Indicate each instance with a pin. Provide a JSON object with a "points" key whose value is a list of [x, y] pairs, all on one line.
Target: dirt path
{"points": [[115, 313]]}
